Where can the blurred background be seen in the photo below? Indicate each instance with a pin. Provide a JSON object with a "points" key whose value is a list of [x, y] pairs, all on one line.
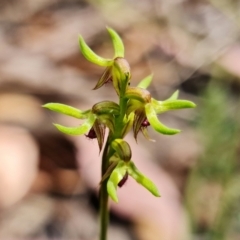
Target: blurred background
{"points": [[49, 182]]}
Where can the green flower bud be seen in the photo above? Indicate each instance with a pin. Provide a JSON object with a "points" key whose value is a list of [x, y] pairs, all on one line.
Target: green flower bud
{"points": [[121, 75], [138, 94], [106, 107], [123, 149]]}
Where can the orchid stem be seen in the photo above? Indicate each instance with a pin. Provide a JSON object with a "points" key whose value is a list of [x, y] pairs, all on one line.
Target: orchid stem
{"points": [[104, 214]]}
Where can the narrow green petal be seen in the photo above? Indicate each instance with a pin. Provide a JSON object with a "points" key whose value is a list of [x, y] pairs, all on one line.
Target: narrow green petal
{"points": [[174, 96], [145, 82], [115, 177], [141, 179], [168, 105], [82, 129], [117, 43], [154, 122], [178, 104], [112, 190], [67, 110], [91, 56]]}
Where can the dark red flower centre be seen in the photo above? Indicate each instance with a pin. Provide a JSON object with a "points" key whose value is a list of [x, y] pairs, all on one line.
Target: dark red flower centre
{"points": [[145, 123], [124, 179], [91, 134]]}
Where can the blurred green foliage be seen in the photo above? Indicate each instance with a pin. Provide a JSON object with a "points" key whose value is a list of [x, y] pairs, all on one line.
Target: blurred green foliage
{"points": [[212, 194]]}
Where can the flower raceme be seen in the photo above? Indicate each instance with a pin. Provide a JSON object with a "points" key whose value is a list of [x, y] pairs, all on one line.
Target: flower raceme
{"points": [[136, 110]]}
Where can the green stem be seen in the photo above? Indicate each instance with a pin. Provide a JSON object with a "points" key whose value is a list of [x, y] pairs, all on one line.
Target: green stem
{"points": [[120, 120], [104, 215]]}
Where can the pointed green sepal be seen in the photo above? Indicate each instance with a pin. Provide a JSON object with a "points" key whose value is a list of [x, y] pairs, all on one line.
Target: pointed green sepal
{"points": [[82, 129], [123, 149], [174, 96], [91, 56], [141, 179], [117, 43], [178, 104], [116, 176], [154, 122], [168, 105], [67, 110], [145, 82]]}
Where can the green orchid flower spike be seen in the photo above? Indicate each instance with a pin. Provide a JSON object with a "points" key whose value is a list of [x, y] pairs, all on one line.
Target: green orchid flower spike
{"points": [[136, 109]]}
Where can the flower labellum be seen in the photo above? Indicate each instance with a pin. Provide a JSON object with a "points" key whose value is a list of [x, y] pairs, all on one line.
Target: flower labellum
{"points": [[91, 134], [124, 179]]}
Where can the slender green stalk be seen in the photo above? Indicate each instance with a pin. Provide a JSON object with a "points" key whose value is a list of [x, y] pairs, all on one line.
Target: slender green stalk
{"points": [[104, 214]]}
